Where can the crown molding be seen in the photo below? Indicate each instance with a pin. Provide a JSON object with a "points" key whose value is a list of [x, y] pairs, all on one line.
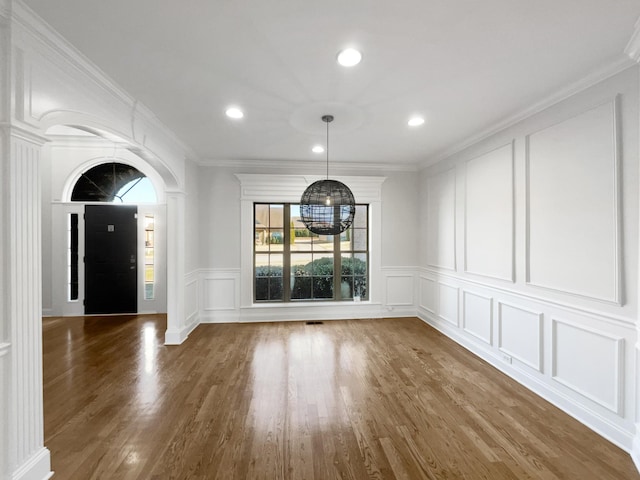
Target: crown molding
{"points": [[633, 47], [619, 65], [308, 167], [44, 33], [23, 134]]}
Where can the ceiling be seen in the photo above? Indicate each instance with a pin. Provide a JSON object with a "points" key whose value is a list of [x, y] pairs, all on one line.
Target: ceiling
{"points": [[464, 65]]}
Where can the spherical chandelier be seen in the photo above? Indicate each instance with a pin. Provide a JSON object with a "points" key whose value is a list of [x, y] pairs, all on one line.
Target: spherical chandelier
{"points": [[327, 206]]}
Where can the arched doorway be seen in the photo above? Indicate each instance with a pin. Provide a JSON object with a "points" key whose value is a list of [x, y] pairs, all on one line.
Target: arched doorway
{"points": [[84, 173]]}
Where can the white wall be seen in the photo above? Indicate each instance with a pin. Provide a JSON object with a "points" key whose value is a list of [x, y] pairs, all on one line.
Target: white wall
{"points": [[192, 217], [399, 225], [217, 293], [530, 252], [219, 218]]}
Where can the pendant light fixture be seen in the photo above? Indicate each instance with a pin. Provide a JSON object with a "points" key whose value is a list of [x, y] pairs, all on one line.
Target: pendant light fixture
{"points": [[327, 206]]}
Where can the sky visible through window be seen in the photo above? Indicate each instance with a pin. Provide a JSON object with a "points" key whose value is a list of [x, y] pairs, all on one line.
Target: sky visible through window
{"points": [[137, 191]]}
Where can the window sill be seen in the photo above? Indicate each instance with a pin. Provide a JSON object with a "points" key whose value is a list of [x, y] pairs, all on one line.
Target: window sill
{"points": [[320, 304]]}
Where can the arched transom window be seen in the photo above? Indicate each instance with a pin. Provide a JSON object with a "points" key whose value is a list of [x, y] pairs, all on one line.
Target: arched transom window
{"points": [[113, 182]]}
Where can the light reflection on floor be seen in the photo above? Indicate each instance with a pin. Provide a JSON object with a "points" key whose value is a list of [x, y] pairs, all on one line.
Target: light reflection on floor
{"points": [[147, 375]]}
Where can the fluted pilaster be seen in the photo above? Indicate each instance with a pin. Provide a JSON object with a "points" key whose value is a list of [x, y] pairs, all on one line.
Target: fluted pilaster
{"points": [[21, 298]]}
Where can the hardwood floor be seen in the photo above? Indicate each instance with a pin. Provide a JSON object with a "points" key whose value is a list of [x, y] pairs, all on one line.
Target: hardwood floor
{"points": [[358, 399]]}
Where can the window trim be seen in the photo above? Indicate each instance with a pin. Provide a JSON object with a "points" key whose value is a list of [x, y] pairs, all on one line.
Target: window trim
{"points": [[286, 252], [266, 188]]}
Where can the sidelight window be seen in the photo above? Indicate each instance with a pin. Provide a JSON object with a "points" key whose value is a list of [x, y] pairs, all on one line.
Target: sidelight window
{"points": [[72, 256]]}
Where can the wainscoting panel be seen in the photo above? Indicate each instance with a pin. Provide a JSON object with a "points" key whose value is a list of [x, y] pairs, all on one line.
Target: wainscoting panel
{"points": [[575, 357], [477, 316], [399, 290], [220, 295], [4, 399], [489, 206], [520, 335], [191, 298], [448, 303], [588, 362], [574, 233], [428, 296]]}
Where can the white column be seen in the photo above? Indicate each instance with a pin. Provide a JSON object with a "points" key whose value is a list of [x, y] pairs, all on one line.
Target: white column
{"points": [[5, 345], [633, 51], [22, 452], [26, 456], [176, 329]]}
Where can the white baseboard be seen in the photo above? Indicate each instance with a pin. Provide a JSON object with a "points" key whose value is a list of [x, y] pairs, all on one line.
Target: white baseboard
{"points": [[176, 337], [635, 449], [584, 415], [38, 467], [220, 316]]}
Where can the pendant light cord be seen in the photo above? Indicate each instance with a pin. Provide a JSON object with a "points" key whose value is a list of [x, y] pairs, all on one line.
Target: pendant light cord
{"points": [[327, 119], [327, 150]]}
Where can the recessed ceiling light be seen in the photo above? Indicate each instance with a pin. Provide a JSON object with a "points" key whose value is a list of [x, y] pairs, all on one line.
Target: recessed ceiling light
{"points": [[318, 149], [415, 121], [234, 112], [349, 57]]}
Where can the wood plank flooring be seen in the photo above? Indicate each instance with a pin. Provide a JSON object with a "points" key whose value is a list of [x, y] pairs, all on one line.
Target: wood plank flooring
{"points": [[357, 399]]}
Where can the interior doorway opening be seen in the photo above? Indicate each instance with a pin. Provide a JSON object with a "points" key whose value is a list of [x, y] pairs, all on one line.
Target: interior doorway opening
{"points": [[82, 169]]}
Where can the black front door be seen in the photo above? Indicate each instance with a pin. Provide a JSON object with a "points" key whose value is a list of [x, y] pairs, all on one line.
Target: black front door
{"points": [[110, 259]]}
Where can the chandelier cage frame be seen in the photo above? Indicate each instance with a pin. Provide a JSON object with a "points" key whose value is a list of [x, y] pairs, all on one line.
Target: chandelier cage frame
{"points": [[327, 207]]}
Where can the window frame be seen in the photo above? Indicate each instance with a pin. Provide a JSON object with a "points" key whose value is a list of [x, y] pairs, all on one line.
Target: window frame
{"points": [[337, 254], [274, 188]]}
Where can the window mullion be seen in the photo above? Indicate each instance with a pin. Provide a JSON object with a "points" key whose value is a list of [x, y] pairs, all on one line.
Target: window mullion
{"points": [[337, 268], [286, 251]]}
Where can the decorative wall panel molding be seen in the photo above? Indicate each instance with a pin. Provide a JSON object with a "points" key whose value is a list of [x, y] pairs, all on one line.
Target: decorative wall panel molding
{"points": [[601, 377], [489, 210], [520, 334], [399, 289], [573, 234], [220, 300], [441, 220], [326, 311], [428, 298], [576, 303], [448, 303], [528, 347], [477, 316], [191, 298], [220, 295]]}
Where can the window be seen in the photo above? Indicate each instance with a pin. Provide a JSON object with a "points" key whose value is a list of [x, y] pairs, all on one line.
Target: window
{"points": [[292, 264], [149, 257], [72, 257], [113, 182]]}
